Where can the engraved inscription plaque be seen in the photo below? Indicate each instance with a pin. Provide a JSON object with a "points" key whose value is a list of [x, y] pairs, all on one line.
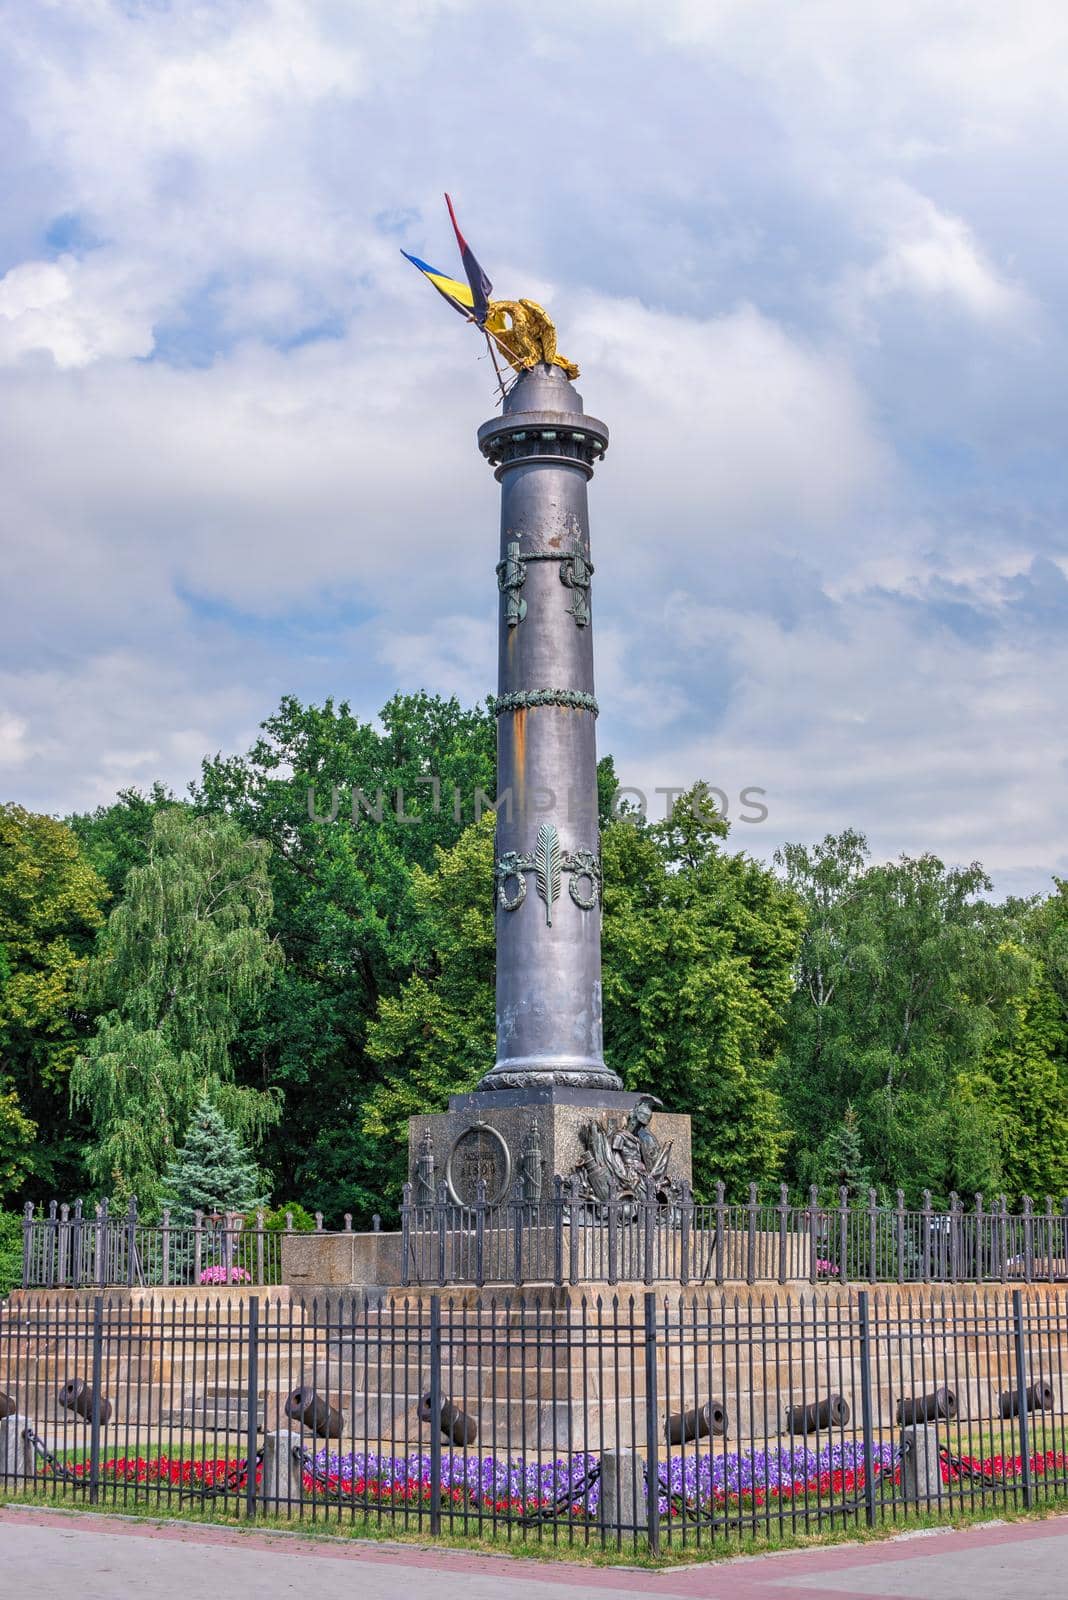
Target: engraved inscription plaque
{"points": [[478, 1152]]}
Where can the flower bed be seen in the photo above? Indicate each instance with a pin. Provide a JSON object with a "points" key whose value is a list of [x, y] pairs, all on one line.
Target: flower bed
{"points": [[513, 1486]]}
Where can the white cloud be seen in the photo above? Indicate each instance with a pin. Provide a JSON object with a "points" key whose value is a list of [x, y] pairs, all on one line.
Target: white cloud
{"points": [[809, 259]]}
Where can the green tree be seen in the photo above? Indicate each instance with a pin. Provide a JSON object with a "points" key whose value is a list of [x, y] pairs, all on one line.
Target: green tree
{"points": [[51, 903], [17, 1134], [436, 1035], [347, 908], [697, 955], [184, 957], [1025, 1083], [839, 1162], [115, 838], [211, 1171], [902, 982], [699, 946]]}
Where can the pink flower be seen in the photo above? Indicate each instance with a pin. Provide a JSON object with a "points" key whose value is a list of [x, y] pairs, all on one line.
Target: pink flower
{"points": [[222, 1275]]}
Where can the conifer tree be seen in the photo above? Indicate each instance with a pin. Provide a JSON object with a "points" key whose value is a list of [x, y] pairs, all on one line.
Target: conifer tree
{"points": [[212, 1171], [185, 957], [840, 1158]]}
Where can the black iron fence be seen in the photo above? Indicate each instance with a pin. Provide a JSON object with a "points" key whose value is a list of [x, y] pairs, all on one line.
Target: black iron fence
{"points": [[566, 1238], [690, 1418], [64, 1248]]}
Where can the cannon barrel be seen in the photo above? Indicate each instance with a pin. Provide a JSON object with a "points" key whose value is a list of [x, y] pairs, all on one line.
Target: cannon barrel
{"points": [[1039, 1397], [77, 1396], [306, 1406], [455, 1424], [831, 1412], [682, 1426], [941, 1405]]}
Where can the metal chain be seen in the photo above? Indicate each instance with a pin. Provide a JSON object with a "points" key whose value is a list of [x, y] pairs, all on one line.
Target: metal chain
{"points": [[41, 1449], [573, 1493], [963, 1470], [236, 1479]]}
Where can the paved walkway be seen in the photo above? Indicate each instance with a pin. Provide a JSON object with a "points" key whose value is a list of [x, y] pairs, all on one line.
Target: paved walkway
{"points": [[57, 1556]]}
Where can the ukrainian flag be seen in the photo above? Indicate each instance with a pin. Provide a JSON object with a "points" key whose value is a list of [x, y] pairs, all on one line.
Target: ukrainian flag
{"points": [[458, 294]]}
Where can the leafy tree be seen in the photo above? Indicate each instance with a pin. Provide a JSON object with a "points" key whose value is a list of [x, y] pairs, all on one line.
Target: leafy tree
{"points": [[1026, 1086], [115, 838], [17, 1134], [699, 947], [51, 902], [10, 1252], [436, 1035], [212, 1171], [903, 978], [184, 957], [346, 908], [697, 955]]}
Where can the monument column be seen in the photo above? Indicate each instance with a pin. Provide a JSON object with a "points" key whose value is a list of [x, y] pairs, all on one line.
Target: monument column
{"points": [[547, 869]]}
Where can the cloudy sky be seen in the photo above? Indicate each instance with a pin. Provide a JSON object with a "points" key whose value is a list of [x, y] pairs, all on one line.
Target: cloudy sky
{"points": [[810, 257]]}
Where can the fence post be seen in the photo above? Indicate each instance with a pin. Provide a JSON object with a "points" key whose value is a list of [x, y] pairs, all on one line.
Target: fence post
{"points": [[53, 1245], [435, 1415], [613, 1241], [517, 1243], [131, 1240], [899, 1212], [750, 1234], [927, 1236], [63, 1273], [978, 1263], [813, 1229], [165, 1245], [558, 1230], [260, 1220], [843, 1234], [784, 1197], [102, 1235], [1021, 1398], [721, 1224], [198, 1244], [954, 1236], [873, 1238], [442, 1200], [27, 1243], [252, 1404], [1049, 1239], [685, 1230], [1029, 1239], [480, 1232], [406, 1234], [78, 1253], [94, 1420], [573, 1205], [649, 1219], [652, 1432], [318, 1222], [866, 1407]]}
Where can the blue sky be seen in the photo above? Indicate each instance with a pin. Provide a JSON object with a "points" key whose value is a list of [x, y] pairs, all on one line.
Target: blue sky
{"points": [[810, 258]]}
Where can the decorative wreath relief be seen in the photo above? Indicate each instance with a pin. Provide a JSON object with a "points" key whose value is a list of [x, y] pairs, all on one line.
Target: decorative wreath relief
{"points": [[547, 861]]}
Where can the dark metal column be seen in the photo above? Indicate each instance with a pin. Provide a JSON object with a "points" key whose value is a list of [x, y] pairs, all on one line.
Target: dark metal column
{"points": [[548, 870]]}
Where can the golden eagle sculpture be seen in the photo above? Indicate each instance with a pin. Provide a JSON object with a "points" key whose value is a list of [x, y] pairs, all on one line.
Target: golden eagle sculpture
{"points": [[522, 330]]}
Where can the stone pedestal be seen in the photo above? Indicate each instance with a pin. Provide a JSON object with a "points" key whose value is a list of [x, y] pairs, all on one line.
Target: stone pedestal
{"points": [[518, 1140]]}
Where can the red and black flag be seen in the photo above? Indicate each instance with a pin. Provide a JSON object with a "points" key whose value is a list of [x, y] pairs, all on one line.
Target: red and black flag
{"points": [[481, 287]]}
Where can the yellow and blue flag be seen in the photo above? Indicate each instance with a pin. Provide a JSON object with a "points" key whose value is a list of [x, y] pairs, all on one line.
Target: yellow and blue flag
{"points": [[457, 294], [470, 299]]}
